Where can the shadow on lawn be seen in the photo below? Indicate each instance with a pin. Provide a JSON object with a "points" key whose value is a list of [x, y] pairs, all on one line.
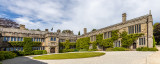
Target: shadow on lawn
{"points": [[22, 60]]}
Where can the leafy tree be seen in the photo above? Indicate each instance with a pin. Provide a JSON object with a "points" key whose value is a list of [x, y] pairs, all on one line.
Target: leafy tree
{"points": [[79, 33], [38, 29], [155, 24], [156, 32], [93, 29], [154, 42]]}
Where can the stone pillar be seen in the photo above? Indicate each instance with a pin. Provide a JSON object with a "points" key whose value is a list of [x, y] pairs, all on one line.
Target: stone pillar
{"points": [[124, 15], [57, 47], [85, 31], [150, 30]]}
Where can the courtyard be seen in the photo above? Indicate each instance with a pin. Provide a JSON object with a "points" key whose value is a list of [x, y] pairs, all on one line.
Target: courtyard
{"points": [[113, 57]]}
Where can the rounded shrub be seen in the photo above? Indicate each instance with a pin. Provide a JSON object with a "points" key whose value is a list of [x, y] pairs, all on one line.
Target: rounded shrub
{"points": [[7, 55]]}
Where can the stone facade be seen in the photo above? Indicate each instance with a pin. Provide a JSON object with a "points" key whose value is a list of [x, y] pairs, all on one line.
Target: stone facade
{"points": [[143, 24], [51, 40]]}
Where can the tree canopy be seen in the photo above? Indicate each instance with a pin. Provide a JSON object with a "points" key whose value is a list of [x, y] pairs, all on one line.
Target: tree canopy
{"points": [[156, 32]]}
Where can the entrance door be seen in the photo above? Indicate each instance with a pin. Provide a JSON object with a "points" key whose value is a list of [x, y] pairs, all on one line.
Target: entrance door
{"points": [[52, 50], [134, 45]]}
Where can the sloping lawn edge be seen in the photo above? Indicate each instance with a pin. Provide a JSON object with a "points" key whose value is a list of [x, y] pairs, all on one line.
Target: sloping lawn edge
{"points": [[69, 55]]}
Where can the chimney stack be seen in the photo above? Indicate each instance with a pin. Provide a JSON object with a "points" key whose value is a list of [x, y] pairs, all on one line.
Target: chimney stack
{"points": [[124, 15], [58, 31], [46, 30], [22, 27], [85, 31]]}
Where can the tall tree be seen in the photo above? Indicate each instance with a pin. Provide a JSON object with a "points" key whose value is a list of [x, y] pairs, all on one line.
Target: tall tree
{"points": [[79, 33], [156, 32]]}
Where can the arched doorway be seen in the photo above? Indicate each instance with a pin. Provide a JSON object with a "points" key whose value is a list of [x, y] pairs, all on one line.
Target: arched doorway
{"points": [[134, 45], [52, 50]]}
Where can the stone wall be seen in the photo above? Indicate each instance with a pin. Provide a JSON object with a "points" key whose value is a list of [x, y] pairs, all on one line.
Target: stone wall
{"points": [[146, 22]]}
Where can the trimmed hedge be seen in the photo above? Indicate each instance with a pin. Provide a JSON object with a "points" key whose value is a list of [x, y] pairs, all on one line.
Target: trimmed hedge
{"points": [[67, 50], [92, 50], [7, 55], [19, 53], [117, 49], [38, 52], [146, 49]]}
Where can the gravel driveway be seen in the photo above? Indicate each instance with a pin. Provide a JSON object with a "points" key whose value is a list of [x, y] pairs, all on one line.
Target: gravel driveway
{"points": [[116, 57]]}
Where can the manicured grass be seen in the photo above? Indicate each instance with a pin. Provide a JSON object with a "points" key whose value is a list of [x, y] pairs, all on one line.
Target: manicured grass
{"points": [[70, 55]]}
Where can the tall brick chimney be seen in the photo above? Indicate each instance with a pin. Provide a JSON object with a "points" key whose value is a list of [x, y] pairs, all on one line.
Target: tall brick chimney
{"points": [[85, 31], [124, 15], [22, 27]]}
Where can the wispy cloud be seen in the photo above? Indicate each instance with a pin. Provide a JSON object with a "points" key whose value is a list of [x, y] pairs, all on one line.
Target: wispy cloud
{"points": [[77, 14]]}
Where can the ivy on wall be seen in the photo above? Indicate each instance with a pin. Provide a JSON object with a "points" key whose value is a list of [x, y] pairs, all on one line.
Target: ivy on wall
{"points": [[66, 45], [27, 44], [108, 43], [83, 43], [128, 39], [23, 43]]}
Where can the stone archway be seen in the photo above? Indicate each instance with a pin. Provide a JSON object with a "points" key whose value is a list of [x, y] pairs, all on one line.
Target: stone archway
{"points": [[52, 50], [134, 45]]}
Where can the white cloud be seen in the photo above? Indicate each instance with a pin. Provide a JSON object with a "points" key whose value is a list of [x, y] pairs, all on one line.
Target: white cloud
{"points": [[77, 14]]}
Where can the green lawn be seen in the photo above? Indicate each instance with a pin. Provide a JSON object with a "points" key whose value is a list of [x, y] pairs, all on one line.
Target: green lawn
{"points": [[70, 55]]}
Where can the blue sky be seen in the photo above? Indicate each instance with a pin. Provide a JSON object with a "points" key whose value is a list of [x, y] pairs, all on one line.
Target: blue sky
{"points": [[75, 14]]}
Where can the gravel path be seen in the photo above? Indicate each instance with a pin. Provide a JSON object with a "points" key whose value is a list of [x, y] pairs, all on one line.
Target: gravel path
{"points": [[154, 58], [116, 57]]}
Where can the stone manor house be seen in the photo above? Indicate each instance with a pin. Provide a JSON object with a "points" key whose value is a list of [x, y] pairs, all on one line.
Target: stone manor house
{"points": [[50, 41]]}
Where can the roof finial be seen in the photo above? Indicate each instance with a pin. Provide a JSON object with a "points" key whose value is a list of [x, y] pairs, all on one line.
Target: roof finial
{"points": [[149, 12]]}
